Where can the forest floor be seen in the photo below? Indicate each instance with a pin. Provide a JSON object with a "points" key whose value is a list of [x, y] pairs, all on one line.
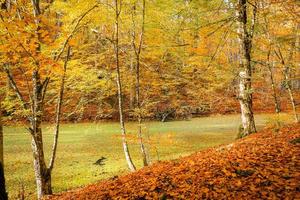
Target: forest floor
{"points": [[265, 165]]}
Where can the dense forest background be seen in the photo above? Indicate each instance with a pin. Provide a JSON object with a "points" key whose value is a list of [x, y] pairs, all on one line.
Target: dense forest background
{"points": [[188, 59]]}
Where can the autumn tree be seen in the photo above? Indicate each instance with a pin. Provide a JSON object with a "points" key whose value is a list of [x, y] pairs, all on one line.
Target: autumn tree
{"points": [[32, 63], [245, 75], [282, 43], [3, 194], [137, 44], [117, 8]]}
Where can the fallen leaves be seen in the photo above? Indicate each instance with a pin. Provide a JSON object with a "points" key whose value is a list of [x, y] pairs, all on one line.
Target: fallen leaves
{"points": [[262, 166]]}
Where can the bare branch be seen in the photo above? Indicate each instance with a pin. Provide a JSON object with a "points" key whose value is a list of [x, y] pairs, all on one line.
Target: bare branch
{"points": [[15, 88]]}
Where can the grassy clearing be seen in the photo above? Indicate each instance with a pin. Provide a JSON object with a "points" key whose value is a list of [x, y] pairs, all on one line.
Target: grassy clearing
{"points": [[80, 145]]}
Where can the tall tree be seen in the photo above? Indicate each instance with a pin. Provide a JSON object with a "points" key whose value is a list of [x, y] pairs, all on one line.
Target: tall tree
{"points": [[3, 194], [245, 75], [137, 47], [270, 65], [117, 8], [287, 76], [35, 59]]}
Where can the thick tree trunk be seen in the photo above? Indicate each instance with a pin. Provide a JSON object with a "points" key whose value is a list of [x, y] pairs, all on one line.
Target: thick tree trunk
{"points": [[245, 42], [42, 174], [246, 105], [3, 194], [119, 86]]}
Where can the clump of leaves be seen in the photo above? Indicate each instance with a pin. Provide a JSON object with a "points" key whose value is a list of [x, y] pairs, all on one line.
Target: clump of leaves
{"points": [[295, 141], [244, 173]]}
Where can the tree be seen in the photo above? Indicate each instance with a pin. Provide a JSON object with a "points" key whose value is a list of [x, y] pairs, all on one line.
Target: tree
{"points": [[245, 75], [3, 194], [137, 48], [117, 8], [287, 76], [38, 34]]}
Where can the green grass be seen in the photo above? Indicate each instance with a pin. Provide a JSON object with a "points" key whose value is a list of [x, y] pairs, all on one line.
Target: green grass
{"points": [[80, 145]]}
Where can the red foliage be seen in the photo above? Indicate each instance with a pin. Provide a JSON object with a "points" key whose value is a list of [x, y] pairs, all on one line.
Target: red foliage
{"points": [[265, 165]]}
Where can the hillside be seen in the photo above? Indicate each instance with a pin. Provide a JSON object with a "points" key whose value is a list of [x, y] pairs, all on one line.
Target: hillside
{"points": [[265, 165]]}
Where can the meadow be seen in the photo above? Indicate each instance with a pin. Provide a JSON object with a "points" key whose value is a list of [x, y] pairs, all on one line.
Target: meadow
{"points": [[82, 144]]}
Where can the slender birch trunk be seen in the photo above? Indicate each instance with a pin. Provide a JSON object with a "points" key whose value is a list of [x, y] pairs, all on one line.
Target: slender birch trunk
{"points": [[245, 75], [291, 95], [131, 166], [58, 111], [270, 66], [286, 74], [275, 97], [137, 50]]}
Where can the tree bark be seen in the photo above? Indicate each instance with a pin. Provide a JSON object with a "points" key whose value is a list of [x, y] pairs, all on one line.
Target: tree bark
{"points": [[42, 174], [286, 74], [137, 50], [245, 75], [3, 194], [291, 95], [270, 67], [119, 86], [58, 111]]}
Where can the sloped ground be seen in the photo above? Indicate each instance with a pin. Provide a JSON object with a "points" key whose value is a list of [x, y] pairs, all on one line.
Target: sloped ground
{"points": [[265, 165]]}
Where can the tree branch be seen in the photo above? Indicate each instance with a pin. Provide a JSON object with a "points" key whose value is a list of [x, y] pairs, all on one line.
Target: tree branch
{"points": [[58, 110]]}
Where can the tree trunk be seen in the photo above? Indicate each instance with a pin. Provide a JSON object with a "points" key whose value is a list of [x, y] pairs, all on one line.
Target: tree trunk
{"points": [[286, 74], [132, 87], [42, 174], [245, 42], [246, 105], [3, 194], [58, 111], [137, 50], [119, 85], [270, 67], [289, 88]]}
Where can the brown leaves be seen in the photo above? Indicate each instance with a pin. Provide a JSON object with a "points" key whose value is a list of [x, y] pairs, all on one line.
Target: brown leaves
{"points": [[261, 166]]}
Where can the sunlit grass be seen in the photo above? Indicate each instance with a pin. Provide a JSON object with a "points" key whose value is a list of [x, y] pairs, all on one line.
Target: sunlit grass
{"points": [[80, 145]]}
